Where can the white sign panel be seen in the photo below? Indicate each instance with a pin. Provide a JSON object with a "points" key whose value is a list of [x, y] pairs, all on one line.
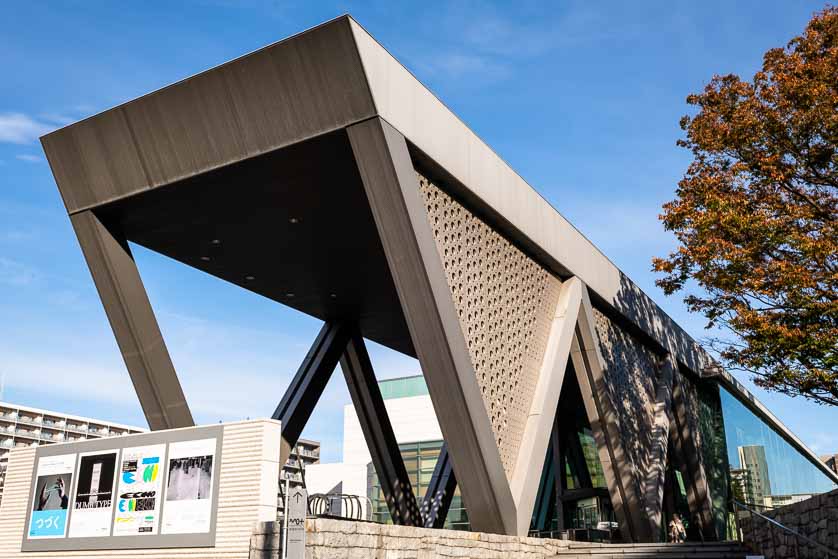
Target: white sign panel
{"points": [[51, 497], [93, 497], [296, 508], [139, 491], [189, 485]]}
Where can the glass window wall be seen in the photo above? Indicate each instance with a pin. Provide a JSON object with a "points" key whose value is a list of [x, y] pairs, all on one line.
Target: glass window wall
{"points": [[765, 470]]}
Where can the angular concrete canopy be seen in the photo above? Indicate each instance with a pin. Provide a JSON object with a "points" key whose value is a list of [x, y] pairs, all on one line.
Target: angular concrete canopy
{"points": [[321, 174]]}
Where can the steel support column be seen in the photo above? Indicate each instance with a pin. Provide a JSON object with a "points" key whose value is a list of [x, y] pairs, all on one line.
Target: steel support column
{"points": [[656, 474], [684, 444], [440, 491], [392, 190], [605, 425], [558, 479], [308, 384], [378, 432], [132, 319]]}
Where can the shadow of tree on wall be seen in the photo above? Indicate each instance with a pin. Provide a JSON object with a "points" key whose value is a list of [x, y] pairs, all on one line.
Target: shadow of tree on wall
{"points": [[636, 338]]}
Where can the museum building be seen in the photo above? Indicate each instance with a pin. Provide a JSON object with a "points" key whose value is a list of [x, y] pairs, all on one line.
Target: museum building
{"points": [[321, 174]]}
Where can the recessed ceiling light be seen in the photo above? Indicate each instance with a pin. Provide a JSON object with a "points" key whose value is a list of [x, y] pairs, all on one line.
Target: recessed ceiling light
{"points": [[294, 220], [333, 295], [289, 295], [205, 258], [216, 241], [250, 278]]}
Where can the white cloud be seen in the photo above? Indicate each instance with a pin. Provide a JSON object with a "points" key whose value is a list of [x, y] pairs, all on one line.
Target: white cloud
{"points": [[58, 118], [822, 442], [18, 128], [29, 158], [59, 375], [16, 274], [460, 64]]}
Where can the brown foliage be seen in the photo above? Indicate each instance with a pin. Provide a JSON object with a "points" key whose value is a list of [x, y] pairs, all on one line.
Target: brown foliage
{"points": [[755, 215]]}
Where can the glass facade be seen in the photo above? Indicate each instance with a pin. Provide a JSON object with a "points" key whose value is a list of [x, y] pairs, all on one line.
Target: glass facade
{"points": [[711, 427], [765, 470], [584, 502], [742, 457], [420, 461]]}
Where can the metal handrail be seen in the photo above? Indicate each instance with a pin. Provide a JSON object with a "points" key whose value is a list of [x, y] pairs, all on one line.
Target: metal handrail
{"points": [[795, 533], [320, 504]]}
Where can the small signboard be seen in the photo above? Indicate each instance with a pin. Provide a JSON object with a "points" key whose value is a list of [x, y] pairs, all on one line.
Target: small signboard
{"points": [[295, 509]]}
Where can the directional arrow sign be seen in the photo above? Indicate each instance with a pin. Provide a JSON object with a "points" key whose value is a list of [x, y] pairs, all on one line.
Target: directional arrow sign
{"points": [[296, 511]]}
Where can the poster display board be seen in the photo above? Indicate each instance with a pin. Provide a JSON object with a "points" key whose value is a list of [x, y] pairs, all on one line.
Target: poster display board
{"points": [[140, 491]]}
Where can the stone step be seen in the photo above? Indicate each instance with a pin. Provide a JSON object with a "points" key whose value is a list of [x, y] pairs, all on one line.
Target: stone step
{"points": [[712, 545], [655, 555], [720, 550]]}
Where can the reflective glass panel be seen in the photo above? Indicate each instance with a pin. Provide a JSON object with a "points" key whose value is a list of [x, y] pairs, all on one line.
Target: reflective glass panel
{"points": [[766, 471]]}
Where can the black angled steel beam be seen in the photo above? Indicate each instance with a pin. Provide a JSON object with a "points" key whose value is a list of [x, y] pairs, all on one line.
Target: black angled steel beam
{"points": [[378, 432], [308, 384], [440, 491], [557, 448], [129, 311]]}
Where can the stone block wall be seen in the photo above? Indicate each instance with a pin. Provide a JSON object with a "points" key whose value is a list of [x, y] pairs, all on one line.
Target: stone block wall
{"points": [[816, 518], [343, 539]]}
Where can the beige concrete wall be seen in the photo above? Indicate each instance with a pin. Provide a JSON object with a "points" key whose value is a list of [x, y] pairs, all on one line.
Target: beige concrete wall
{"points": [[247, 491], [505, 303]]}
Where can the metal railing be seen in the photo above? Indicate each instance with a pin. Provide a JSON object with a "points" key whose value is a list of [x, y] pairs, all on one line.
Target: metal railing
{"points": [[351, 506], [773, 525]]}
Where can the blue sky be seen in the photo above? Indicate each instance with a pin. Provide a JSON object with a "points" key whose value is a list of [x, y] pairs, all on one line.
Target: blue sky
{"points": [[581, 98]]}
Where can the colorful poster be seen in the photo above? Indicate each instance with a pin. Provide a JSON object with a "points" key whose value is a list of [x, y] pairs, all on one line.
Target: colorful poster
{"points": [[139, 486], [50, 501], [189, 496], [93, 497]]}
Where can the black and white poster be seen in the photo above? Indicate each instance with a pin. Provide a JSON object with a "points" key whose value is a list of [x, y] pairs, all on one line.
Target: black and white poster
{"points": [[94, 495], [188, 507]]}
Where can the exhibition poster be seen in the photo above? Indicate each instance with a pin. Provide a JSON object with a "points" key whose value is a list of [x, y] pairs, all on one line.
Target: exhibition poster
{"points": [[189, 484], [50, 501], [93, 497], [139, 487]]}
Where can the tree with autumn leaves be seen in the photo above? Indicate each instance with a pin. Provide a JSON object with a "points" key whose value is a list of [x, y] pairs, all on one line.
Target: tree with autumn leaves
{"points": [[755, 216]]}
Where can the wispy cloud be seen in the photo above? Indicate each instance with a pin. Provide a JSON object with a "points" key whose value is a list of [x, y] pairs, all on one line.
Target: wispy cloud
{"points": [[459, 64], [18, 128], [822, 442], [57, 118], [473, 41], [16, 235], [15, 274], [29, 158]]}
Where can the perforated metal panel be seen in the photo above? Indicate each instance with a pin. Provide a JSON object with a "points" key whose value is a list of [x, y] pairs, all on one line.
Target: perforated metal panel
{"points": [[505, 303], [631, 381]]}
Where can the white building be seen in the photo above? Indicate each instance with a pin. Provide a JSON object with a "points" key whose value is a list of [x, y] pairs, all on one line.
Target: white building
{"points": [[417, 431]]}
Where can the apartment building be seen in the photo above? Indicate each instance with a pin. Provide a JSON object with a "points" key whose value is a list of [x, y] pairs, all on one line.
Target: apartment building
{"points": [[304, 454], [25, 426]]}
